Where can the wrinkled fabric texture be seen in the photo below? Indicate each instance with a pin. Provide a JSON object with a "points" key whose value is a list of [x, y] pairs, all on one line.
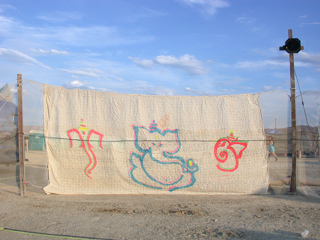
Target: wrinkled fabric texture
{"points": [[109, 143]]}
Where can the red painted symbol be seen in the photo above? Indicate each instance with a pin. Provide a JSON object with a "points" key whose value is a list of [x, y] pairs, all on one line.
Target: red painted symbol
{"points": [[85, 134], [228, 144]]}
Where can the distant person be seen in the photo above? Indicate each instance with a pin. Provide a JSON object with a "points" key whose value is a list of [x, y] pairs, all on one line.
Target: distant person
{"points": [[271, 148]]}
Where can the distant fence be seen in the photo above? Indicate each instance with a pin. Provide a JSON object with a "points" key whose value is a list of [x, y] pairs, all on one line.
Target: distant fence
{"points": [[8, 127]]}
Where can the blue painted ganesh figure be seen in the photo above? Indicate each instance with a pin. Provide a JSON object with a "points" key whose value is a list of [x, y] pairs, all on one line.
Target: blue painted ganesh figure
{"points": [[156, 164]]}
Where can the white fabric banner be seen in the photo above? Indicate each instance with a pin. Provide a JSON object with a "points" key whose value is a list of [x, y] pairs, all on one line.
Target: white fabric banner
{"points": [[109, 143]]}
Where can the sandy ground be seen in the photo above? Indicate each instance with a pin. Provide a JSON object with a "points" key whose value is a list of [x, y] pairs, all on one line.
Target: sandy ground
{"points": [[273, 216]]}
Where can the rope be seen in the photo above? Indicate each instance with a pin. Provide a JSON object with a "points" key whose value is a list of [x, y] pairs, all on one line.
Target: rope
{"points": [[7, 139], [48, 234], [6, 99], [304, 109], [181, 140], [4, 104], [6, 178]]}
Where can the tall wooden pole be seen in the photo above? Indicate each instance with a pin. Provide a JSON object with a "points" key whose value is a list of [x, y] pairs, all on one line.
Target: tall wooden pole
{"points": [[21, 137], [293, 186]]}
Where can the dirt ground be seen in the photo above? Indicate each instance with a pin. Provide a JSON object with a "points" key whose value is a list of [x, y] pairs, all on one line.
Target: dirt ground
{"points": [[272, 216]]}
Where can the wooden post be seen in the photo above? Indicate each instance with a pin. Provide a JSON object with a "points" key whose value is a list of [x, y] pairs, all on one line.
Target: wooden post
{"points": [[293, 186], [21, 137]]}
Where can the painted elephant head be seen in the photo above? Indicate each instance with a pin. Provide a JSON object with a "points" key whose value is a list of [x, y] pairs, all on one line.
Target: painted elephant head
{"points": [[166, 140]]}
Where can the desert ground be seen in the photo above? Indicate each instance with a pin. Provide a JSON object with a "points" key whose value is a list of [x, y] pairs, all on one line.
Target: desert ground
{"points": [[276, 215]]}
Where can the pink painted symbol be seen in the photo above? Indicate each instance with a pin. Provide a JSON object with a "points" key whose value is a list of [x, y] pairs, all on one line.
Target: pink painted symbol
{"points": [[85, 134], [228, 144]]}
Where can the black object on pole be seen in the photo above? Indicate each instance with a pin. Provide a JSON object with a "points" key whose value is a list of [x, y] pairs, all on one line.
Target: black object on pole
{"points": [[293, 45]]}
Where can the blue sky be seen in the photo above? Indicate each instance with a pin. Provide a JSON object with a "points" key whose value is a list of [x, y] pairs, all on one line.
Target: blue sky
{"points": [[167, 47], [161, 47]]}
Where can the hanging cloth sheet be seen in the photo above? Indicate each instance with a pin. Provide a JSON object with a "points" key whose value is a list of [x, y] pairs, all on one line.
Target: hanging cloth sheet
{"points": [[109, 143]]}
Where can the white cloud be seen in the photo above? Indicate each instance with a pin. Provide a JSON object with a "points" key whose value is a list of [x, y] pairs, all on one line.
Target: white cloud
{"points": [[260, 64], [209, 7], [92, 36], [245, 20], [302, 59], [98, 89], [142, 63], [269, 52], [6, 24], [16, 33], [51, 51], [60, 16], [76, 83], [250, 23], [231, 81], [267, 88], [19, 57], [228, 91], [312, 23], [313, 59], [5, 7], [150, 89], [145, 13], [88, 73], [156, 90], [242, 19], [80, 85], [186, 62], [271, 88], [195, 91]]}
